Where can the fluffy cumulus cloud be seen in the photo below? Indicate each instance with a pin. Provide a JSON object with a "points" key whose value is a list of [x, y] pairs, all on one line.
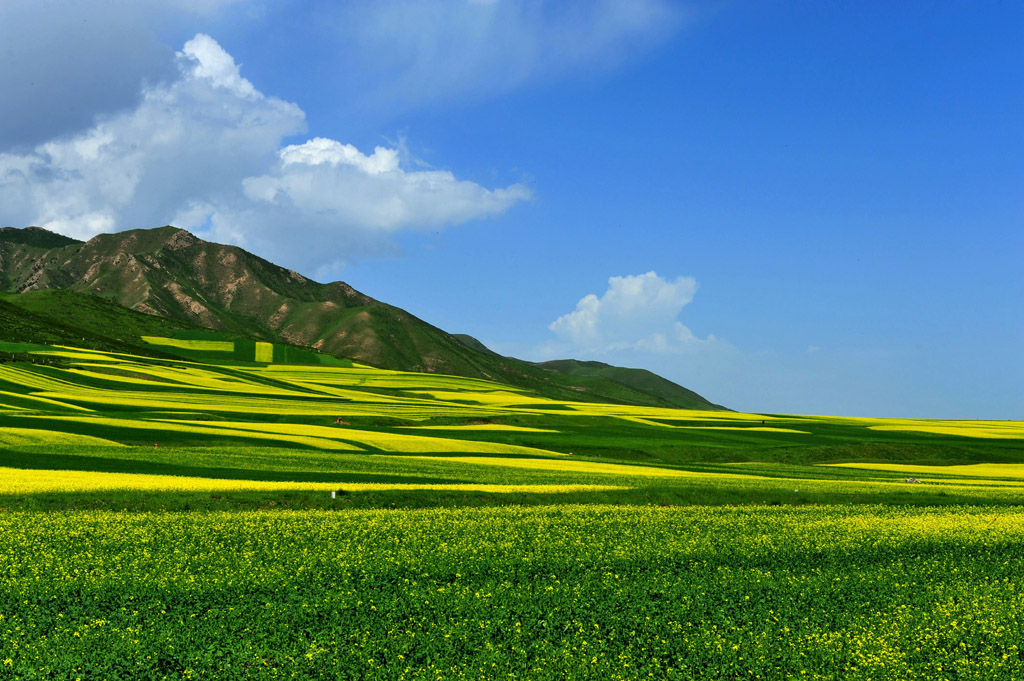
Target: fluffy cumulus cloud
{"points": [[203, 150], [638, 313], [335, 183], [194, 138]]}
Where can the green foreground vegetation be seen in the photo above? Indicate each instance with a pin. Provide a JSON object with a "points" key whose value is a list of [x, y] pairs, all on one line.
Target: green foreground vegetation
{"points": [[596, 592], [223, 518]]}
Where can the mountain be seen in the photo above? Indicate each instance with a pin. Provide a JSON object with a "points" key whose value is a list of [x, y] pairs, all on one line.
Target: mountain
{"points": [[641, 380], [171, 274]]}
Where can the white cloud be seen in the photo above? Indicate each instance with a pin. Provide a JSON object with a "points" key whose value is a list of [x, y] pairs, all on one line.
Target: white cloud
{"points": [[210, 61], [335, 184], [203, 151], [321, 150], [416, 52], [638, 312], [196, 137]]}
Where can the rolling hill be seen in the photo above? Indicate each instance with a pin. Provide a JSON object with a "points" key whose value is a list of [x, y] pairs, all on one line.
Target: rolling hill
{"points": [[171, 274]]}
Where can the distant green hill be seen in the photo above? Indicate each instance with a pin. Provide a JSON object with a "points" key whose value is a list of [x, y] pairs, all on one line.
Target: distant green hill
{"points": [[638, 379], [171, 274], [36, 237], [473, 343]]}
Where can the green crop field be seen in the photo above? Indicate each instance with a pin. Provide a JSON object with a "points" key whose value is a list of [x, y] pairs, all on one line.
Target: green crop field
{"points": [[240, 518], [557, 592]]}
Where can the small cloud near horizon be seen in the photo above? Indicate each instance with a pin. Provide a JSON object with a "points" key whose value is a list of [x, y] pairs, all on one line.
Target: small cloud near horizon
{"points": [[637, 313]]}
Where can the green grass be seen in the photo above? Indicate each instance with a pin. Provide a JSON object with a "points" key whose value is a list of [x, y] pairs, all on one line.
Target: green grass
{"points": [[546, 593]]}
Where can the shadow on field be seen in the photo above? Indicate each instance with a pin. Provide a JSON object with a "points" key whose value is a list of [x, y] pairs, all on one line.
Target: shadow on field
{"points": [[476, 455], [678, 495], [102, 464]]}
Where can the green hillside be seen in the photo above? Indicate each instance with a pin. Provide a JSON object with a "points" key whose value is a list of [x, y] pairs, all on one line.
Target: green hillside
{"points": [[21, 325], [67, 317], [91, 314], [35, 237], [169, 273], [636, 379], [473, 343]]}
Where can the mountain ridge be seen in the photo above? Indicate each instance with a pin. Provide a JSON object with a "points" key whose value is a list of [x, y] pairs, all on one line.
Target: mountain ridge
{"points": [[169, 272]]}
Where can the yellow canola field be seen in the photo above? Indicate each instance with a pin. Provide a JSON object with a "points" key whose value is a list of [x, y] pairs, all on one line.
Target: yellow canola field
{"points": [[21, 437], [957, 427], [488, 397], [183, 377], [742, 418], [388, 442], [355, 395], [201, 345], [759, 429], [19, 481], [368, 377], [979, 470], [984, 429], [251, 431], [199, 377], [623, 471], [264, 352], [664, 413], [32, 379], [144, 378], [41, 402], [73, 353], [484, 426], [206, 403], [572, 466], [235, 397]]}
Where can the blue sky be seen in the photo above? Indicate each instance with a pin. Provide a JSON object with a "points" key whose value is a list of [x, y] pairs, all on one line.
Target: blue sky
{"points": [[792, 207]]}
